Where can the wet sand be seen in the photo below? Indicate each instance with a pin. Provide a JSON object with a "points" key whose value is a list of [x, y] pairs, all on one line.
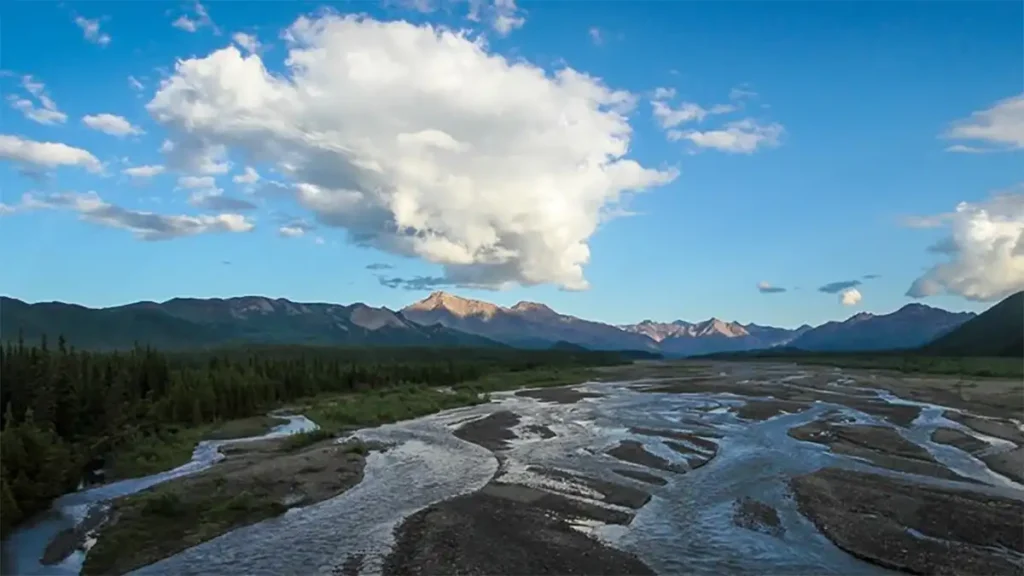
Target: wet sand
{"points": [[1009, 463], [913, 527], [73, 539], [634, 452], [959, 439], [881, 446], [765, 409], [512, 529], [491, 432], [757, 516], [502, 531], [641, 476], [998, 427]]}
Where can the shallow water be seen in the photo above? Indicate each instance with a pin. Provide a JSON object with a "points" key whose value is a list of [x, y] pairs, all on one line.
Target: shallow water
{"points": [[23, 549], [687, 527]]}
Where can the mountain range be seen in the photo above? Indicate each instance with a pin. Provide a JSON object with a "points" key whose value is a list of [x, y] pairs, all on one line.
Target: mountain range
{"points": [[444, 319]]}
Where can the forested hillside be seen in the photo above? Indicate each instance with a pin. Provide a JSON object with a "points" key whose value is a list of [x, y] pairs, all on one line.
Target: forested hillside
{"points": [[999, 331], [63, 408]]}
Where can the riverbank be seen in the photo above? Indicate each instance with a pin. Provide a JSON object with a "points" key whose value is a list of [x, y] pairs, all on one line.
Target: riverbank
{"points": [[172, 446], [671, 462], [256, 481], [913, 527], [262, 479]]}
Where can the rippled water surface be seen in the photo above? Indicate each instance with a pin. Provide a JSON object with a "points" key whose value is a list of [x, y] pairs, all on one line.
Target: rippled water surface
{"points": [[687, 527], [23, 549]]}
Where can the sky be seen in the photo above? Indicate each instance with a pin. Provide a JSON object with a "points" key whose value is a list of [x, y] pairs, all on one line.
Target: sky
{"points": [[771, 162]]}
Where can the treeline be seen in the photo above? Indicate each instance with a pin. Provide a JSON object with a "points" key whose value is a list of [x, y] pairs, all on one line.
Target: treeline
{"points": [[64, 408]]}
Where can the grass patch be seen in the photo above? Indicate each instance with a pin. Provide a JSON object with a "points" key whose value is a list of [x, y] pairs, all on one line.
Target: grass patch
{"points": [[302, 439], [335, 414], [244, 427], [529, 379], [977, 367], [145, 454], [338, 413], [171, 446], [151, 521]]}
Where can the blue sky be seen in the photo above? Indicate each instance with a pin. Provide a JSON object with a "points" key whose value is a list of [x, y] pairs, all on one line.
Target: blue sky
{"points": [[698, 150]]}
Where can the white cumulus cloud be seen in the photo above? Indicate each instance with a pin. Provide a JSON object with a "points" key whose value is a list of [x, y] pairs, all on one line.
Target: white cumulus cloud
{"points": [[143, 225], [39, 106], [146, 171], [112, 124], [91, 30], [984, 251], [850, 297], [1000, 127], [420, 142], [46, 155]]}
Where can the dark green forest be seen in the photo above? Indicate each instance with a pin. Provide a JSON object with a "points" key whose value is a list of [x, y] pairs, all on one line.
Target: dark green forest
{"points": [[64, 409]]}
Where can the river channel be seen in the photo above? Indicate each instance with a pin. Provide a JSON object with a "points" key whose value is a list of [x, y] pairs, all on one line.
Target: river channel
{"points": [[687, 526]]}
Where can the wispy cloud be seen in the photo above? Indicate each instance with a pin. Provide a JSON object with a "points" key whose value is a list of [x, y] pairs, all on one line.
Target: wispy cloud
{"points": [[38, 107], [994, 129], [198, 18], [836, 287], [933, 221], [379, 266], [415, 282], [143, 225], [112, 124], [91, 30], [742, 136], [295, 229], [766, 288]]}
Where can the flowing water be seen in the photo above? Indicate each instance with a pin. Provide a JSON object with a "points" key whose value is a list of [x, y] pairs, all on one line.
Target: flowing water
{"points": [[23, 549], [687, 527]]}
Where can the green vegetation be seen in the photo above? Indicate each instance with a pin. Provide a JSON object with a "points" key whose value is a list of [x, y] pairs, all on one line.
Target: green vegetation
{"points": [[304, 439], [999, 331], [259, 480], [982, 367], [171, 446], [147, 521], [901, 362], [66, 411]]}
